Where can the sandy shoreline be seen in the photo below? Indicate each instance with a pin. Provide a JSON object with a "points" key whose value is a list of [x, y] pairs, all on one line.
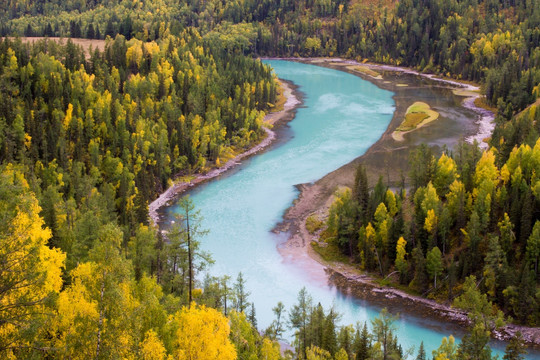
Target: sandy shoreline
{"points": [[287, 114]]}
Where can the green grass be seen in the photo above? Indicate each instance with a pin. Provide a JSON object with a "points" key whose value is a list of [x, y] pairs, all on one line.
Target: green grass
{"points": [[417, 113], [330, 253], [313, 224], [412, 121]]}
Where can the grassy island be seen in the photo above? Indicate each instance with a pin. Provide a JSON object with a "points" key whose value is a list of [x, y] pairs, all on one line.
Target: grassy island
{"points": [[418, 115]]}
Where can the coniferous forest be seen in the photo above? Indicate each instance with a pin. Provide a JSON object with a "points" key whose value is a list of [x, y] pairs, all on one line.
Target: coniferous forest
{"points": [[89, 137]]}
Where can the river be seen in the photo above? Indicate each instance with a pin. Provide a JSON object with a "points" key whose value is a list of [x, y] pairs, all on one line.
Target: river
{"points": [[342, 117]]}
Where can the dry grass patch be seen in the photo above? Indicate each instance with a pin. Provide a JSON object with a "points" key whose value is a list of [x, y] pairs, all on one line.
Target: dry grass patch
{"points": [[313, 223], [412, 120], [365, 70]]}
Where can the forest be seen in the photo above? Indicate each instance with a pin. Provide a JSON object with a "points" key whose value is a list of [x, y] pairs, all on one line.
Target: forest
{"points": [[89, 138]]}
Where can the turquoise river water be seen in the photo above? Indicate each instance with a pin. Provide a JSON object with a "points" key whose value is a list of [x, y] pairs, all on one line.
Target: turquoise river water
{"points": [[342, 117]]}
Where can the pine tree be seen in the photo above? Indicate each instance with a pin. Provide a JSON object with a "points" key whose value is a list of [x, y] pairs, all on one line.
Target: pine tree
{"points": [[383, 333], [421, 352], [298, 318], [363, 345], [420, 279], [361, 193], [252, 316], [240, 294], [515, 348], [90, 33], [329, 341]]}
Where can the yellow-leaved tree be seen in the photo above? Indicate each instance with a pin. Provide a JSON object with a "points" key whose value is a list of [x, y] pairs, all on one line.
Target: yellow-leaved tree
{"points": [[202, 334], [270, 350], [152, 348], [30, 271], [96, 311]]}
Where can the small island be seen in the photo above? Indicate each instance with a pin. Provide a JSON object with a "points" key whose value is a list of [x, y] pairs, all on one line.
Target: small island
{"points": [[418, 115]]}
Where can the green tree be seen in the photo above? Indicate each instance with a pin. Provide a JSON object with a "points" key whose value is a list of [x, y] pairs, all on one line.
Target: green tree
{"points": [[483, 321], [515, 348], [30, 271], [495, 267], [363, 345], [360, 193], [434, 265], [420, 279], [142, 251], [277, 327], [298, 318], [329, 339], [474, 344], [241, 295], [421, 352], [185, 234], [533, 247], [383, 334], [479, 308]]}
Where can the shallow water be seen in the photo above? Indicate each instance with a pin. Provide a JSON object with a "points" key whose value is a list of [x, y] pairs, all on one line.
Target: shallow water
{"points": [[342, 117]]}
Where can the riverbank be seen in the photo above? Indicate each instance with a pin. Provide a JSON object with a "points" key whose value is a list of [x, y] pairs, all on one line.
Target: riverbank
{"points": [[292, 102], [387, 158]]}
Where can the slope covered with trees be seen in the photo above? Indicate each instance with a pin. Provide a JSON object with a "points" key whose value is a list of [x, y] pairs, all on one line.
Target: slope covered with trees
{"points": [[105, 135], [467, 214], [87, 140], [92, 138], [496, 42]]}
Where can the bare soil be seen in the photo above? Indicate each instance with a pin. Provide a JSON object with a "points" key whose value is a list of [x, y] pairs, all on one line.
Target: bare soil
{"points": [[86, 44]]}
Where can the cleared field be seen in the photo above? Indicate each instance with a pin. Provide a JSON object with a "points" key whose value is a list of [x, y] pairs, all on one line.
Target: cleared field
{"points": [[84, 43]]}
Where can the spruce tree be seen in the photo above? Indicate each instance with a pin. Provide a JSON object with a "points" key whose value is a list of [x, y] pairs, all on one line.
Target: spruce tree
{"points": [[363, 344], [515, 348], [329, 333], [361, 193], [421, 352], [90, 33]]}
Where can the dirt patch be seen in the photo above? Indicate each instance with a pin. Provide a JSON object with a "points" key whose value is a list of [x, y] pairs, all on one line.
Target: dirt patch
{"points": [[86, 44]]}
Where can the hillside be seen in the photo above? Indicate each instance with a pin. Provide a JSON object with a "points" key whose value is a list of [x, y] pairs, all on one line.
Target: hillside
{"points": [[174, 88]]}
